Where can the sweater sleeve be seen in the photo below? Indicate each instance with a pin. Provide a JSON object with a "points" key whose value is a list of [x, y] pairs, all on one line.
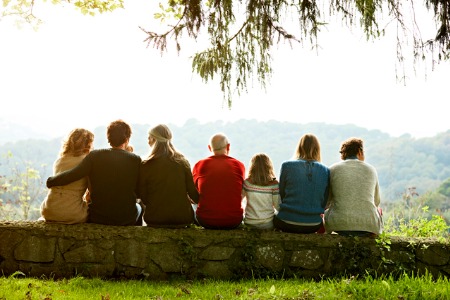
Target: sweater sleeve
{"points": [[377, 199], [142, 186], [282, 184], [276, 201], [191, 189], [74, 174]]}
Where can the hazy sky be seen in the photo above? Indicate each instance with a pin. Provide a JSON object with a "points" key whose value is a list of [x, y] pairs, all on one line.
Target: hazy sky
{"points": [[81, 71]]}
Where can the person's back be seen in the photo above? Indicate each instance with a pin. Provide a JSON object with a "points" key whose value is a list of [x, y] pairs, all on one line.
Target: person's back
{"points": [[64, 204], [113, 177], [354, 194], [261, 193], [166, 186], [219, 180], [303, 189]]}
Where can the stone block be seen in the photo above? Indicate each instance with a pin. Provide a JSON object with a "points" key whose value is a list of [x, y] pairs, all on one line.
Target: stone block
{"points": [[271, 256], [434, 255], [8, 240], [86, 254], [167, 256], [216, 269], [131, 253], [36, 249], [306, 259], [217, 253]]}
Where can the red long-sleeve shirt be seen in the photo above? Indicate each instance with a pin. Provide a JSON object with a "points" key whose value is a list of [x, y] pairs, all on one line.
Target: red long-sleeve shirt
{"points": [[219, 180]]}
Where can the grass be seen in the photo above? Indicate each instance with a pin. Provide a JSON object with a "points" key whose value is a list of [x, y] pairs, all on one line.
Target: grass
{"points": [[405, 287]]}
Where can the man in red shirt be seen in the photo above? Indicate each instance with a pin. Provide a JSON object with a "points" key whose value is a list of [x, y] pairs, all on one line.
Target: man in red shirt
{"points": [[219, 179]]}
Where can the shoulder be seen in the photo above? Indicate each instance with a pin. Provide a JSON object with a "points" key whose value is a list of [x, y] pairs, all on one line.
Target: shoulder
{"points": [[202, 161], [339, 164], [135, 157], [97, 152], [289, 163], [236, 160], [369, 167], [274, 182], [71, 158], [321, 165], [237, 164]]}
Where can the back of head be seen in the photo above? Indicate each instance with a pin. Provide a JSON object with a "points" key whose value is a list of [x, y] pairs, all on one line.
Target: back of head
{"points": [[308, 148], [161, 133], [118, 132], [351, 147], [261, 169], [161, 138], [218, 142], [78, 142]]}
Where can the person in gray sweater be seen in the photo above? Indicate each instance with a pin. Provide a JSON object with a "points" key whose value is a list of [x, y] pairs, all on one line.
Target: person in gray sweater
{"points": [[353, 205]]}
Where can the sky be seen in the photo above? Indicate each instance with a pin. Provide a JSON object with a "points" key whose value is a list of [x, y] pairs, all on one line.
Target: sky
{"points": [[83, 71]]}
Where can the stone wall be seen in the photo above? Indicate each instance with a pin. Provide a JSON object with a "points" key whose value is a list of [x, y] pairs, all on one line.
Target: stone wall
{"points": [[90, 250]]}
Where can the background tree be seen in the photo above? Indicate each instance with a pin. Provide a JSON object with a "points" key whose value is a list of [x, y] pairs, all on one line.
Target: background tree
{"points": [[21, 191], [240, 35]]}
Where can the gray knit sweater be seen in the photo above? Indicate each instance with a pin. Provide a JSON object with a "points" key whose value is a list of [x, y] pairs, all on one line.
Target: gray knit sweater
{"points": [[354, 198]]}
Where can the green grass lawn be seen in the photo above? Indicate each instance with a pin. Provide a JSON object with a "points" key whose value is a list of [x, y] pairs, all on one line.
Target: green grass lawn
{"points": [[406, 287]]}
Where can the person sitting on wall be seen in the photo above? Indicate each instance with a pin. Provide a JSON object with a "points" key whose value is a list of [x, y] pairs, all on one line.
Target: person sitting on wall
{"points": [[219, 180], [261, 193], [304, 183], [166, 186], [65, 204], [353, 207]]}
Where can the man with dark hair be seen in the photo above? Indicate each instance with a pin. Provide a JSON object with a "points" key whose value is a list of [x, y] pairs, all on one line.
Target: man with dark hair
{"points": [[113, 177]]}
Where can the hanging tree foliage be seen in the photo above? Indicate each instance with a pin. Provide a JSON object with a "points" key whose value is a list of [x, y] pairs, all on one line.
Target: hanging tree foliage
{"points": [[240, 33]]}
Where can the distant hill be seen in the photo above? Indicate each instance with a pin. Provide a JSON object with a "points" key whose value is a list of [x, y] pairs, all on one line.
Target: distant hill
{"points": [[11, 132], [401, 162]]}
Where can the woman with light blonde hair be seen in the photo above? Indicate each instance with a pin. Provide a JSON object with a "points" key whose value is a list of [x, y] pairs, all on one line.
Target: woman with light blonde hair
{"points": [[304, 183], [65, 204], [166, 186]]}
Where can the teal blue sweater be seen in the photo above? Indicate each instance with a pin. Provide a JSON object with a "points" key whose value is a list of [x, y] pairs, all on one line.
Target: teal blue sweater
{"points": [[303, 190]]}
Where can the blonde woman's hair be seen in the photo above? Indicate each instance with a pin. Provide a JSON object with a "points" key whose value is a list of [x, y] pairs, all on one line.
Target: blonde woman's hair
{"points": [[78, 142], [308, 148], [163, 145], [261, 169]]}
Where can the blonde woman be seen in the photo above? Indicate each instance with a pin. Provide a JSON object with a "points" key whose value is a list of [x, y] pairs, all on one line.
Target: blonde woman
{"points": [[64, 204], [304, 184], [166, 187], [260, 189]]}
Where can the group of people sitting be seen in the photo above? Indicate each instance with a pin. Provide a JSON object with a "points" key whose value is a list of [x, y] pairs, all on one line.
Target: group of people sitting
{"points": [[114, 186]]}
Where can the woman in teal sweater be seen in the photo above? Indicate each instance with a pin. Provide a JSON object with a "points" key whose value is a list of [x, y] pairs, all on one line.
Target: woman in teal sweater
{"points": [[303, 186]]}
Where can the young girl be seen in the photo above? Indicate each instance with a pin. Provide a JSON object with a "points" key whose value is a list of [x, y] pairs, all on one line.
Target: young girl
{"points": [[261, 192]]}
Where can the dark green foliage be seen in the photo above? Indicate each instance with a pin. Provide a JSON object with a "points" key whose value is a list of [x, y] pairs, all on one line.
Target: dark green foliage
{"points": [[444, 189]]}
